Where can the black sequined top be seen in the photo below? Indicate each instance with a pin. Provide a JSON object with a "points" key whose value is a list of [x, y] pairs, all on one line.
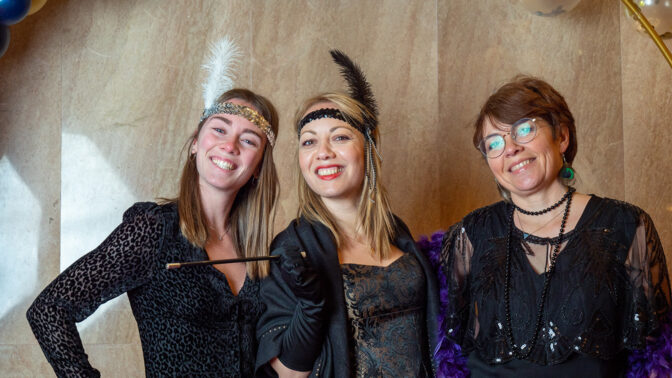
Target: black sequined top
{"points": [[610, 289], [386, 317], [190, 322]]}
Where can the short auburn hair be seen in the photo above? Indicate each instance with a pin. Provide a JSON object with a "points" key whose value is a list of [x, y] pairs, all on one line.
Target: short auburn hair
{"points": [[528, 97]]}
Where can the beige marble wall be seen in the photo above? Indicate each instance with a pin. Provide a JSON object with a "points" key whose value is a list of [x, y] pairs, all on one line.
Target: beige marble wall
{"points": [[98, 97], [647, 131], [30, 148]]}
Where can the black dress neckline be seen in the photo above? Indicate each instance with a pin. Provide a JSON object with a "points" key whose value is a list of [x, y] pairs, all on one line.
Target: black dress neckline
{"points": [[585, 216]]}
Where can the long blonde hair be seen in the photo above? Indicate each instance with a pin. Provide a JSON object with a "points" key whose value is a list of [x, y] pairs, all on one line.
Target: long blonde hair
{"points": [[253, 212], [375, 218]]}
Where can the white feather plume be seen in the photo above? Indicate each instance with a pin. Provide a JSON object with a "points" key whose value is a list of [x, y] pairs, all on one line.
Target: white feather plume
{"points": [[224, 56]]}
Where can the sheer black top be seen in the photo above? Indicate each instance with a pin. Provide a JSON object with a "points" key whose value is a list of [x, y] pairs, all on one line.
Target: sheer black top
{"points": [[610, 289], [190, 322]]}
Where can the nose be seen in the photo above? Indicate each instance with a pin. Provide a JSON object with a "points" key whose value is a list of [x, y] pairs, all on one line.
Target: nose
{"points": [[325, 152], [511, 147], [230, 146]]}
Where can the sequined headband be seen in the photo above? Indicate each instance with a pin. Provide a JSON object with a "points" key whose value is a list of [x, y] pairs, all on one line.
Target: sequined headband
{"points": [[359, 90], [326, 113], [245, 112]]}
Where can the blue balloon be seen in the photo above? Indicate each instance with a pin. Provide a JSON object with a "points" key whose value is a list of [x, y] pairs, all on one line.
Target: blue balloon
{"points": [[13, 11], [4, 39]]}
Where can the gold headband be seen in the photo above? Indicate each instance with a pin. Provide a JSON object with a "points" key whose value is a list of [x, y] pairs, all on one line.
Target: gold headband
{"points": [[245, 112]]}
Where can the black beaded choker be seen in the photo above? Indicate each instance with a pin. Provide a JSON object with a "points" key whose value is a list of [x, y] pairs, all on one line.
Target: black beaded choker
{"points": [[569, 192], [525, 350]]}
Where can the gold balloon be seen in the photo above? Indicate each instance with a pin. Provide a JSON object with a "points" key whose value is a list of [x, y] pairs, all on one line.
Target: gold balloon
{"points": [[659, 14], [36, 5], [549, 8]]}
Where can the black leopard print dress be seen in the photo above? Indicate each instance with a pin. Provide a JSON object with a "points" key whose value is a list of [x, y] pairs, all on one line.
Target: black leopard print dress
{"points": [[190, 322]]}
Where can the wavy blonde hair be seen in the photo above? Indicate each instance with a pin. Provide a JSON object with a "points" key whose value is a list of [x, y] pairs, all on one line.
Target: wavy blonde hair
{"points": [[376, 220]]}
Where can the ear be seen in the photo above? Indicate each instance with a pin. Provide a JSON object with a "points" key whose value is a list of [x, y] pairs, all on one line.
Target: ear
{"points": [[193, 148], [564, 138]]}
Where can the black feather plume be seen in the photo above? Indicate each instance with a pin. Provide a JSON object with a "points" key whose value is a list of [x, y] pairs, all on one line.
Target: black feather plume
{"points": [[360, 89]]}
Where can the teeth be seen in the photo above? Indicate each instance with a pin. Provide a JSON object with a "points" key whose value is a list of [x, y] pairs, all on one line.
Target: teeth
{"points": [[223, 164], [329, 171], [521, 164]]}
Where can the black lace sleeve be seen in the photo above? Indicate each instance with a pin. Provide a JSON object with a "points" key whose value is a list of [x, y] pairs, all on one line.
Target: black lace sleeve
{"points": [[650, 282], [456, 255], [122, 262]]}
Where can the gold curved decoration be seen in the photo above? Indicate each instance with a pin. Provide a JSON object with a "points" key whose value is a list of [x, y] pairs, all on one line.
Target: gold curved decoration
{"points": [[632, 7]]}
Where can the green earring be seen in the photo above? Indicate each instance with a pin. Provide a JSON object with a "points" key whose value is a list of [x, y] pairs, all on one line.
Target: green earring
{"points": [[566, 172]]}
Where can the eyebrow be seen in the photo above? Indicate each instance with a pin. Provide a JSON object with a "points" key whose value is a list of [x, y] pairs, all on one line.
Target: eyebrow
{"points": [[493, 134], [225, 120], [339, 127], [330, 130], [252, 131], [248, 131]]}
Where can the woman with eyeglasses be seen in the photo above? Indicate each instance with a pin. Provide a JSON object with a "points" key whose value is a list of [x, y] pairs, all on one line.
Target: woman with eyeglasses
{"points": [[549, 281]]}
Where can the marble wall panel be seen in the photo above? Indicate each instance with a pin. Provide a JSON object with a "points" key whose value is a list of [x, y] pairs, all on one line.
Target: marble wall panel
{"points": [[133, 69], [484, 44], [117, 360], [17, 360], [30, 148], [394, 42], [647, 100]]}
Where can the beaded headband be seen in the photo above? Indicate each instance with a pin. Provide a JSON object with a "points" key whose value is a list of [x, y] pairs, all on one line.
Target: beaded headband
{"points": [[322, 113], [360, 90], [224, 55], [245, 112]]}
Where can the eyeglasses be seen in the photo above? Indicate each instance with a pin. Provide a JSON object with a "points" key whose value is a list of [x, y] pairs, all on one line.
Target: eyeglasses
{"points": [[522, 131]]}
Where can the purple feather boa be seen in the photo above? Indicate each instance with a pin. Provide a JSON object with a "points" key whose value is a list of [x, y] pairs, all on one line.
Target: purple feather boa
{"points": [[654, 361], [448, 355]]}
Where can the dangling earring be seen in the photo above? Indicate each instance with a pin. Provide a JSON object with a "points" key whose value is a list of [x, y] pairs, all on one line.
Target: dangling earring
{"points": [[503, 192], [370, 172], [566, 172]]}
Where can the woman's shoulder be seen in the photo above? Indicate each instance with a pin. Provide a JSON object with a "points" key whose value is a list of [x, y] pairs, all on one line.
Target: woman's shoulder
{"points": [[400, 226], [485, 216], [617, 210], [151, 214], [297, 229], [288, 233]]}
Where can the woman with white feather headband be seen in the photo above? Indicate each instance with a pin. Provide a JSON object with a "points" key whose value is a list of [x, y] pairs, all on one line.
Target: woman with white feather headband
{"points": [[198, 320]]}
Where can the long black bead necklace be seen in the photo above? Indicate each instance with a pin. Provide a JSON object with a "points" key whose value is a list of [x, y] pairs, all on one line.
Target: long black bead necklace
{"points": [[547, 279]]}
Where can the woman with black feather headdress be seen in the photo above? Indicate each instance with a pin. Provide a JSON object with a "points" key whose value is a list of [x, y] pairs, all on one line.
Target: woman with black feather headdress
{"points": [[363, 300]]}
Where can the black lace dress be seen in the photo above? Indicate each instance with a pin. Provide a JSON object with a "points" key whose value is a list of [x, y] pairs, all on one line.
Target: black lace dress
{"points": [[609, 292], [386, 314], [190, 322]]}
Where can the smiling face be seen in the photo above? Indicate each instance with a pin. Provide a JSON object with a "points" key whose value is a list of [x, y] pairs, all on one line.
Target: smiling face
{"points": [[228, 151], [331, 157], [524, 169]]}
